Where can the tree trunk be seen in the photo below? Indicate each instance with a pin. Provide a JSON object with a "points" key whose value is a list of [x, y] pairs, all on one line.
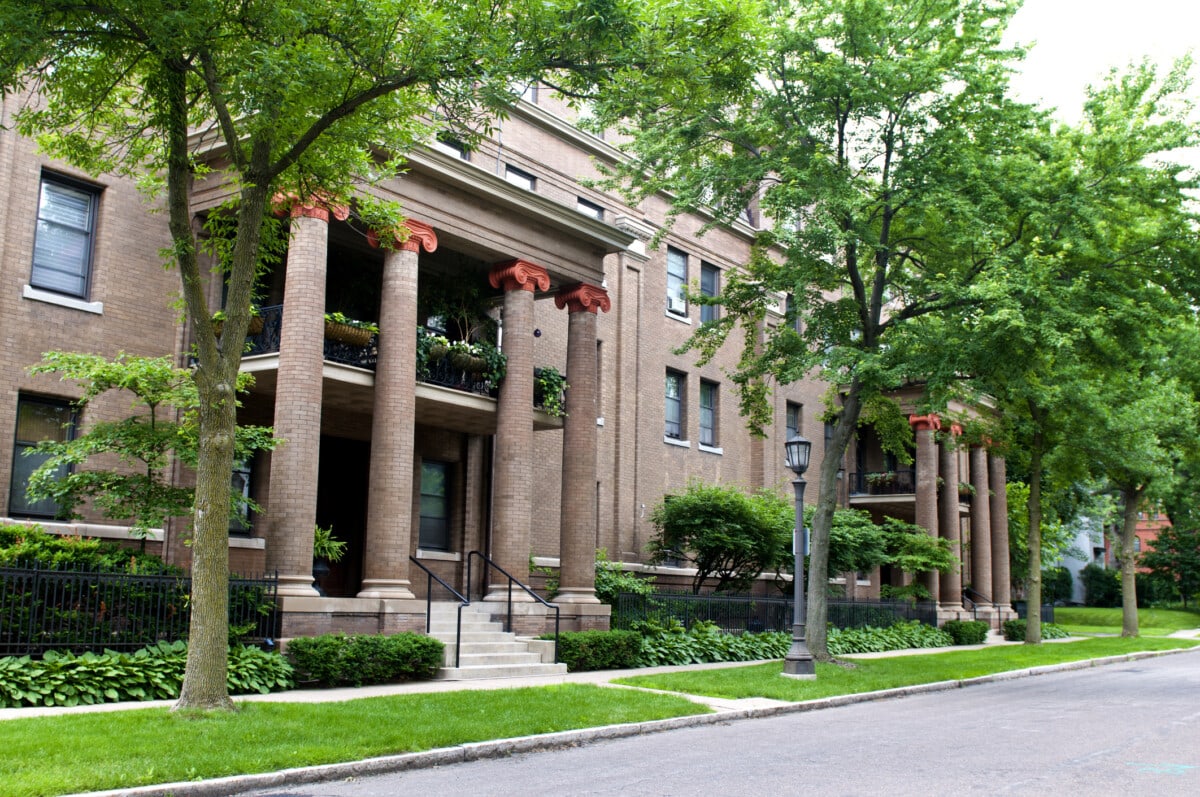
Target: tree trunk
{"points": [[1129, 611], [1033, 586], [818, 568]]}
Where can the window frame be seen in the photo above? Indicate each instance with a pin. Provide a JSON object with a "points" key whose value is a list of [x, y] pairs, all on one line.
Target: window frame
{"points": [[793, 410], [589, 208], [18, 503], [241, 523], [709, 402], [431, 539], [677, 401], [51, 179], [515, 175], [709, 312], [677, 282]]}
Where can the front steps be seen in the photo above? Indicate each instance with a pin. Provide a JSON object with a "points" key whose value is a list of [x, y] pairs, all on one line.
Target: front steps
{"points": [[487, 650]]}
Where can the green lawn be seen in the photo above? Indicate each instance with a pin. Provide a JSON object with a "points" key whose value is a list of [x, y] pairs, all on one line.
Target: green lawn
{"points": [[1151, 622], [869, 675], [120, 749]]}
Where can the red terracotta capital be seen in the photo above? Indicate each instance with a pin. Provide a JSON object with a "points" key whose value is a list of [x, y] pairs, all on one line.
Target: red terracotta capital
{"points": [[956, 429], [582, 298], [515, 275], [317, 206], [410, 236], [921, 423]]}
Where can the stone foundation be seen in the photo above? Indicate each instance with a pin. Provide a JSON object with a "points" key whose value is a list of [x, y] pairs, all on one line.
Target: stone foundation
{"points": [[312, 616]]}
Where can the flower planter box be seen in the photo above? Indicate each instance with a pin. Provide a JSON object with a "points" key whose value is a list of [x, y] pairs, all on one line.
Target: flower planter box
{"points": [[347, 333]]}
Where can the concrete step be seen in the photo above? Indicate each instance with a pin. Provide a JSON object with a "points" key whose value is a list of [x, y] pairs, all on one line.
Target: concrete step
{"points": [[474, 637], [499, 646], [442, 627], [499, 671], [490, 659]]}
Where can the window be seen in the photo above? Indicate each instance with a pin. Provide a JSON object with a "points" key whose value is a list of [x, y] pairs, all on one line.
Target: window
{"points": [[710, 280], [677, 265], [530, 92], [435, 506], [240, 522], [38, 419], [792, 317], [62, 248], [794, 419], [589, 208], [452, 146], [708, 413], [519, 177], [674, 405], [1137, 544]]}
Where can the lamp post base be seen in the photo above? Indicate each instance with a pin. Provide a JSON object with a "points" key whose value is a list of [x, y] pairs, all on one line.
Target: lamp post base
{"points": [[799, 662]]}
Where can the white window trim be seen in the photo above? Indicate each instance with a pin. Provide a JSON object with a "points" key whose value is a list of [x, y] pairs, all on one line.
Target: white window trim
{"points": [[62, 300], [677, 442], [710, 449], [438, 556]]}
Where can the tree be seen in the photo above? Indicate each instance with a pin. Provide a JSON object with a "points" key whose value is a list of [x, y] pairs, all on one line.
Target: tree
{"points": [[308, 99], [877, 139], [162, 430], [725, 533], [1175, 558]]}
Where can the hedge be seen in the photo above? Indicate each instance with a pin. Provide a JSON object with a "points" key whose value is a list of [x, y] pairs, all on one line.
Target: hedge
{"points": [[360, 659]]}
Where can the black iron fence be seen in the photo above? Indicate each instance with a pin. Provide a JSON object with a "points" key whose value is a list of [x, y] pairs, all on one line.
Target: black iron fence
{"points": [[47, 609], [739, 613], [884, 482]]}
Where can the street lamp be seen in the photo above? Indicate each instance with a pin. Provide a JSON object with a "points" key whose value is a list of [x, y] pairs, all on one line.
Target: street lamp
{"points": [[798, 663]]}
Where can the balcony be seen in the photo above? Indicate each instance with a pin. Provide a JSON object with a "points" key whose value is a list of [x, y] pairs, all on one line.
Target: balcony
{"points": [[884, 482]]}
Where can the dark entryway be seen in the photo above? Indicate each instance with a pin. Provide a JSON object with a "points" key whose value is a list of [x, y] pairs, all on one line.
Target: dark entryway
{"points": [[342, 506]]}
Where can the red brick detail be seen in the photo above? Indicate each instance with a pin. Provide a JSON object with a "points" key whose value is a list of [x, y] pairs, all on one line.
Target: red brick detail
{"points": [[315, 207], [410, 236], [956, 429], [921, 423], [582, 298], [515, 275]]}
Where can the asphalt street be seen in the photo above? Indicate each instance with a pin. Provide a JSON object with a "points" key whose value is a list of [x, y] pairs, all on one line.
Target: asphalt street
{"points": [[1129, 729]]}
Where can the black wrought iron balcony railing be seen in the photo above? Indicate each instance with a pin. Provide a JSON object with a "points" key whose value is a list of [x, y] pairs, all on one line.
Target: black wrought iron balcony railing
{"points": [[884, 482], [444, 373], [267, 342]]}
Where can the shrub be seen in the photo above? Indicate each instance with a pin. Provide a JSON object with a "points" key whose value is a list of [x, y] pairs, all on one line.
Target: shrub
{"points": [[598, 650], [355, 660], [1014, 631], [1101, 586], [966, 632], [674, 644], [28, 545], [152, 673], [901, 636], [1057, 584], [612, 580]]}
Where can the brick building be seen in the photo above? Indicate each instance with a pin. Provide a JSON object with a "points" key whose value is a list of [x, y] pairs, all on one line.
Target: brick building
{"points": [[403, 463]]}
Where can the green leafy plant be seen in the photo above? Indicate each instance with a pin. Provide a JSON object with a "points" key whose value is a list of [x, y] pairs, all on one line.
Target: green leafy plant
{"points": [[340, 318], [612, 580], [1014, 631], [598, 650], [549, 391], [326, 546], [355, 660], [966, 632], [901, 636], [671, 643]]}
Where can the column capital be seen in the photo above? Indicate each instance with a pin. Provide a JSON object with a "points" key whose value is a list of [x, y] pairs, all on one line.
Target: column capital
{"points": [[956, 429], [409, 235], [317, 206], [582, 297], [519, 274], [921, 423]]}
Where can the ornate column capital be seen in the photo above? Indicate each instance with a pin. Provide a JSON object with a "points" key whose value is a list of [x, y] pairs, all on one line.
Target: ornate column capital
{"points": [[519, 274], [409, 235], [317, 206], [582, 297], [956, 429], [921, 423]]}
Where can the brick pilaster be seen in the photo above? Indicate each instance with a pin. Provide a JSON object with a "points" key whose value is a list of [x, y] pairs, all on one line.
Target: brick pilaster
{"points": [[389, 502], [577, 546], [512, 499], [927, 493]]}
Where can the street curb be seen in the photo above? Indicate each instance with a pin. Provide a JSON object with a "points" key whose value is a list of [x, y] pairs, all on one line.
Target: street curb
{"points": [[501, 748]]}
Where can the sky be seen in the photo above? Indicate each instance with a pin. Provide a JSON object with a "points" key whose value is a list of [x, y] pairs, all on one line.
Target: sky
{"points": [[1077, 41]]}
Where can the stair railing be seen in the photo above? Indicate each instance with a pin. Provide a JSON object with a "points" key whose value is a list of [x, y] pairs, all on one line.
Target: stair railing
{"points": [[462, 602], [512, 581]]}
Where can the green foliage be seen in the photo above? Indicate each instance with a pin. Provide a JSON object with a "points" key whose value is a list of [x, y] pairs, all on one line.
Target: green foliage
{"points": [[358, 659], [1101, 586], [1057, 583], [900, 636], [856, 542], [152, 673], [549, 391], [726, 534], [326, 546], [340, 318], [163, 429], [29, 545], [612, 580], [672, 644], [598, 650], [966, 632], [1014, 631]]}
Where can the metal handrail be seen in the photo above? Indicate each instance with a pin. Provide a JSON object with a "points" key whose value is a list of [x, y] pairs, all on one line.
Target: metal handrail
{"points": [[462, 601], [978, 599], [512, 580]]}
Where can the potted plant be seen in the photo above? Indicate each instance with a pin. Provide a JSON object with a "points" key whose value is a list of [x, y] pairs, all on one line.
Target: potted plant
{"points": [[255, 327], [327, 550], [349, 330]]}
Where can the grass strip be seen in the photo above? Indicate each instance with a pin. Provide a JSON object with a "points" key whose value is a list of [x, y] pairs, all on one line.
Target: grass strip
{"points": [[121, 749], [870, 675], [1151, 622]]}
